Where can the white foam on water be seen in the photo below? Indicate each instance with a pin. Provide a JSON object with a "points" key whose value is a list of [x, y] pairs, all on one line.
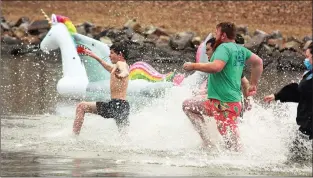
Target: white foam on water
{"points": [[160, 133]]}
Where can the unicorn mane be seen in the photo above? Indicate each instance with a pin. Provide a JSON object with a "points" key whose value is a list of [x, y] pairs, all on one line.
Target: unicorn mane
{"points": [[67, 22]]}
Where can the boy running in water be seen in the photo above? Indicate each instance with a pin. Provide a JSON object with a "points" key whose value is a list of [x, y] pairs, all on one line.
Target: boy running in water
{"points": [[118, 107]]}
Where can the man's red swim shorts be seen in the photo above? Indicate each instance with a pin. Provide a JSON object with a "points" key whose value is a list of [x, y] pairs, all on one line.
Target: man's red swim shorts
{"points": [[225, 114]]}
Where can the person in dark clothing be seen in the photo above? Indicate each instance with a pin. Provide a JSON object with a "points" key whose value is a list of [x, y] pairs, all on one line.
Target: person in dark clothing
{"points": [[299, 93]]}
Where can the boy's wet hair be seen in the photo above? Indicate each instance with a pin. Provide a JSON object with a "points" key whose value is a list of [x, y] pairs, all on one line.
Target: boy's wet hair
{"points": [[120, 48], [211, 41], [228, 28]]}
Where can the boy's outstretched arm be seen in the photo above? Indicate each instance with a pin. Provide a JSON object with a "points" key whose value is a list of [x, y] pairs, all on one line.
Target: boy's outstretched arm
{"points": [[105, 65]]}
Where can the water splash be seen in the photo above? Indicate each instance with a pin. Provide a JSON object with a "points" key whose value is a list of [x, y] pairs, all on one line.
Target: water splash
{"points": [[160, 133]]}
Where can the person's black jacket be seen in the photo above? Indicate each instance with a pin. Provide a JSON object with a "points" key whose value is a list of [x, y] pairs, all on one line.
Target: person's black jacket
{"points": [[300, 93]]}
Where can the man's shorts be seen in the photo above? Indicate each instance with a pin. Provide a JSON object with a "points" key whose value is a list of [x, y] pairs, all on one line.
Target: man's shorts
{"points": [[116, 108], [225, 114]]}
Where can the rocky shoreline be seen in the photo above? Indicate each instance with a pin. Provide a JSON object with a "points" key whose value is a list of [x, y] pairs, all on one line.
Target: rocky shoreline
{"points": [[155, 44]]}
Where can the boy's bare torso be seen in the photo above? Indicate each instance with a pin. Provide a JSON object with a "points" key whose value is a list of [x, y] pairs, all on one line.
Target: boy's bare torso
{"points": [[118, 84]]}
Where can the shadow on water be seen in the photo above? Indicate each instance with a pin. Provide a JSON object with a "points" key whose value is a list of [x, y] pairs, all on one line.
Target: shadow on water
{"points": [[26, 164]]}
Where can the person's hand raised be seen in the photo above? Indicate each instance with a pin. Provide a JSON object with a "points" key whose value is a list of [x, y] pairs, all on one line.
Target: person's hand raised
{"points": [[188, 66], [269, 98]]}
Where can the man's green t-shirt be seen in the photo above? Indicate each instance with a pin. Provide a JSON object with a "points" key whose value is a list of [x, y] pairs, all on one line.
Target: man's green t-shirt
{"points": [[225, 85]]}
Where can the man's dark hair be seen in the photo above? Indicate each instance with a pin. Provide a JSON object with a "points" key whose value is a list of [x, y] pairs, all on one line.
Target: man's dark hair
{"points": [[211, 41], [228, 28], [239, 39], [120, 48]]}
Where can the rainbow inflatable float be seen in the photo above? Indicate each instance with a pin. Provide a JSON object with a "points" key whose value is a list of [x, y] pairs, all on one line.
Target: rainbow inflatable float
{"points": [[85, 77], [142, 70]]}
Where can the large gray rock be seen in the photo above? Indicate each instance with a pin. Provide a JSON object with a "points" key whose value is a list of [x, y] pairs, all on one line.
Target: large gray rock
{"points": [[21, 21], [137, 38], [81, 30], [84, 28], [182, 40], [9, 40], [196, 41], [95, 30], [265, 52], [116, 35], [129, 32], [106, 40], [307, 38], [293, 45], [246, 38], [25, 26], [276, 35], [277, 43], [163, 42], [42, 35], [162, 54], [38, 25], [258, 38], [5, 26], [19, 32], [257, 32], [242, 29], [291, 60], [152, 30], [133, 25]]}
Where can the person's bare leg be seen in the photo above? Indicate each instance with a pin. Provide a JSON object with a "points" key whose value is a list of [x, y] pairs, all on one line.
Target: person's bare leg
{"points": [[193, 109], [81, 109]]}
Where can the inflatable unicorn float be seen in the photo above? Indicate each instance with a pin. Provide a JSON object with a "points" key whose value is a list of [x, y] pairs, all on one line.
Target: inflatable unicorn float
{"points": [[85, 77]]}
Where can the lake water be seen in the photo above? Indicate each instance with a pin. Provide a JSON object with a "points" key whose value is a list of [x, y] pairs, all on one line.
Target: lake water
{"points": [[36, 127]]}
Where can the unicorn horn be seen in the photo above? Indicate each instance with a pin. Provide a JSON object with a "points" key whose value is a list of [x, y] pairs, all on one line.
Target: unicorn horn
{"points": [[46, 16]]}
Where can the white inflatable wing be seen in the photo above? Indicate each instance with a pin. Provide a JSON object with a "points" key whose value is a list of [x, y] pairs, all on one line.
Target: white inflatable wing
{"points": [[208, 38], [201, 55], [95, 71]]}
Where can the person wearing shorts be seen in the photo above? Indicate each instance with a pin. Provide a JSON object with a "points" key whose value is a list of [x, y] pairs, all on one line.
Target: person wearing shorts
{"points": [[224, 85], [203, 81], [118, 107]]}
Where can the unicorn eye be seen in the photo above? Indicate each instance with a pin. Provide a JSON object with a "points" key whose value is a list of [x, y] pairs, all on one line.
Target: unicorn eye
{"points": [[93, 44]]}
